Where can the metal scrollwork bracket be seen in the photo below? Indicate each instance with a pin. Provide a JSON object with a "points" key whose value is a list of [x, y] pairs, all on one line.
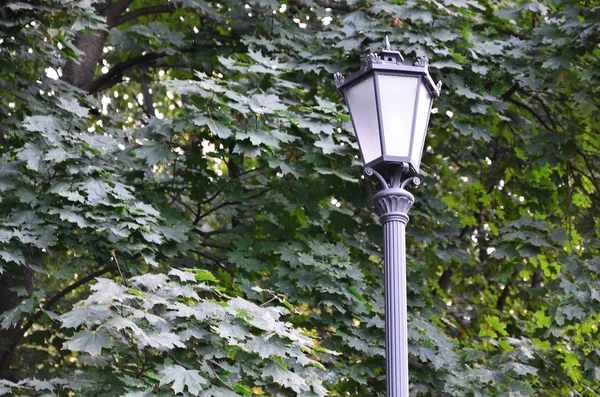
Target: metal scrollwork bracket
{"points": [[398, 176]]}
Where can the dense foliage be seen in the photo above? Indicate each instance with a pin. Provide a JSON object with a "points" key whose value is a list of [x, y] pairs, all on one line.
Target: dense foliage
{"points": [[182, 208]]}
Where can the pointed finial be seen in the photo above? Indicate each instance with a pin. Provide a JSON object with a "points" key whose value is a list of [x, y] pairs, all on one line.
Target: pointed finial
{"points": [[388, 55]]}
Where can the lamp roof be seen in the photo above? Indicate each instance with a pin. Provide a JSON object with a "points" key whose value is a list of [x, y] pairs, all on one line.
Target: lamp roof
{"points": [[391, 61]]}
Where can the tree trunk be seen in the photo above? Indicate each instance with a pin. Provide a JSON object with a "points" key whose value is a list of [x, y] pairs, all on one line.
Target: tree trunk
{"points": [[91, 45], [9, 299], [80, 75]]}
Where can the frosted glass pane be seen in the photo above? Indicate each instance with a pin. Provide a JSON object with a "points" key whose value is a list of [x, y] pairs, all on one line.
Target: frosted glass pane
{"points": [[361, 101], [424, 107], [397, 94]]}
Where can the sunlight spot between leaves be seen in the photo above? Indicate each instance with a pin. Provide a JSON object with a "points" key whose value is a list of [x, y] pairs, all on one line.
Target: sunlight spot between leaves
{"points": [[207, 147], [52, 73], [449, 303]]}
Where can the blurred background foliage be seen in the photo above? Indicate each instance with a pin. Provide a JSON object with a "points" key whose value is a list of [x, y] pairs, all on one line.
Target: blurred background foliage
{"points": [[183, 211]]}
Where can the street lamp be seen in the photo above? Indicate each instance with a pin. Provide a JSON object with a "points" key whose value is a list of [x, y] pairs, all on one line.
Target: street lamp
{"points": [[389, 104]]}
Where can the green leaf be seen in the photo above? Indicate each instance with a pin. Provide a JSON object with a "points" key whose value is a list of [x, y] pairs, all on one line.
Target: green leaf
{"points": [[32, 155], [95, 189], [154, 153], [285, 378], [261, 104], [327, 144], [216, 127], [265, 348], [72, 105], [204, 275], [91, 342], [543, 321], [13, 256], [182, 378]]}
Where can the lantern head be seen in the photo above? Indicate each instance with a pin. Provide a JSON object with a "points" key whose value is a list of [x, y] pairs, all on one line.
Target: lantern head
{"points": [[389, 104]]}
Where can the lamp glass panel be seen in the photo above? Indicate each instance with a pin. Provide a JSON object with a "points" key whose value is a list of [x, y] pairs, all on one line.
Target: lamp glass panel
{"points": [[363, 109], [397, 97], [422, 114]]}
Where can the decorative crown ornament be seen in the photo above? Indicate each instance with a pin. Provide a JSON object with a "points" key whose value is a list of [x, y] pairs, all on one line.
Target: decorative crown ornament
{"points": [[372, 58], [339, 79], [422, 62]]}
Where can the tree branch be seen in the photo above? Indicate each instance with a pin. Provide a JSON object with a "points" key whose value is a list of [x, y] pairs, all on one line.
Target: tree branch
{"points": [[510, 91], [114, 75], [215, 260], [51, 302], [115, 10], [226, 203], [148, 100], [167, 8], [502, 299], [73, 286], [531, 111]]}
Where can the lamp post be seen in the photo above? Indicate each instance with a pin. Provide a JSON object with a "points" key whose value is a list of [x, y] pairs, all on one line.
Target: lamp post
{"points": [[389, 104]]}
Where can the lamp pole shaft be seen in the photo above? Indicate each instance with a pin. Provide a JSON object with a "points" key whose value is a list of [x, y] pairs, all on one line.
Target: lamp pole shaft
{"points": [[396, 337], [393, 205]]}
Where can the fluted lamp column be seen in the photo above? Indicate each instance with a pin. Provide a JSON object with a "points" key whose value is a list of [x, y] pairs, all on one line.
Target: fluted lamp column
{"points": [[390, 104]]}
